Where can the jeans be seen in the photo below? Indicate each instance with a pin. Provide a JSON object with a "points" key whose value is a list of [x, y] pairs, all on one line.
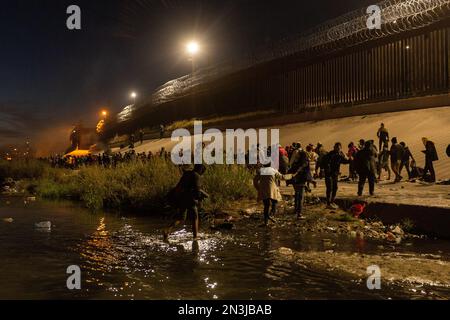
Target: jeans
{"points": [[362, 181], [429, 167], [395, 166], [331, 182], [406, 165], [267, 203], [299, 199]]}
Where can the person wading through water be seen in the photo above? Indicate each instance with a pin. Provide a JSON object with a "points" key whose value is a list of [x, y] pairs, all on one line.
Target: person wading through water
{"points": [[331, 164], [186, 197]]}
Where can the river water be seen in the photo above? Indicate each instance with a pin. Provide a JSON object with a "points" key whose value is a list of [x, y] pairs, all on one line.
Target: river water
{"points": [[124, 257]]}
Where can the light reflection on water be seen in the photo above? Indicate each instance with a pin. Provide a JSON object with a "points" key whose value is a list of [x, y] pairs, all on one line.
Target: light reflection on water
{"points": [[125, 258]]}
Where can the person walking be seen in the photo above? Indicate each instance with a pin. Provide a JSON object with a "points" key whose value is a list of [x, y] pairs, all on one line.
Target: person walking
{"points": [[383, 137], [162, 130], [352, 150], [406, 160], [301, 174], [366, 166], [266, 183], [383, 162], [396, 154], [321, 152], [186, 197], [430, 156], [141, 136], [331, 164]]}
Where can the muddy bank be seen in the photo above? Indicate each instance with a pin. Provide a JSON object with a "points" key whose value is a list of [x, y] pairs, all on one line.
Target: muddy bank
{"points": [[318, 219]]}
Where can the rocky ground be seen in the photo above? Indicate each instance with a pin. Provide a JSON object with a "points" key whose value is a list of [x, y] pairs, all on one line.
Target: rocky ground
{"points": [[317, 219]]}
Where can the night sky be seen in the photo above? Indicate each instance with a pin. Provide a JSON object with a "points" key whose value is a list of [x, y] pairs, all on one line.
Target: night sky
{"points": [[52, 77]]}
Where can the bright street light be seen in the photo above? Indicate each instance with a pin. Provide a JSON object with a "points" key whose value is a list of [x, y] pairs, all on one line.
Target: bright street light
{"points": [[192, 48], [133, 95]]}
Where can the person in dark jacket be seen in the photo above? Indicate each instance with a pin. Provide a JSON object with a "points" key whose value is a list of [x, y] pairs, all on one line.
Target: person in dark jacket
{"points": [[406, 160], [186, 197], [366, 166], [300, 171], [430, 156], [331, 164], [383, 137], [396, 154], [383, 162]]}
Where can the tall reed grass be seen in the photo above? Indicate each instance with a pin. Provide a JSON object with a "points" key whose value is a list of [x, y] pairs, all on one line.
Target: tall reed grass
{"points": [[135, 185]]}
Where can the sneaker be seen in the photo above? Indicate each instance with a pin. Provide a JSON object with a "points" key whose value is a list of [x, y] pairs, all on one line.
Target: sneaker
{"points": [[334, 206]]}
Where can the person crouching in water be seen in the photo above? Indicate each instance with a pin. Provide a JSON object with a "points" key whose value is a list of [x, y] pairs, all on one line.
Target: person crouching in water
{"points": [[265, 182], [187, 196]]}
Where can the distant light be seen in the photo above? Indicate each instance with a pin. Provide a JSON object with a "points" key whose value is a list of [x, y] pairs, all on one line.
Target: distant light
{"points": [[192, 48], [104, 113], [407, 47], [133, 95]]}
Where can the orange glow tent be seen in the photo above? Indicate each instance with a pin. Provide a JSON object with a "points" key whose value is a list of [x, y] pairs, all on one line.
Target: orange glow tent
{"points": [[78, 153]]}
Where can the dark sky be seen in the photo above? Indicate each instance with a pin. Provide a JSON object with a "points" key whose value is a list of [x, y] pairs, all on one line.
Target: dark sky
{"points": [[52, 77]]}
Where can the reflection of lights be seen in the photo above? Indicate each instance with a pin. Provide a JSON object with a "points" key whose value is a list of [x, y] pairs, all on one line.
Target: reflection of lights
{"points": [[102, 228]]}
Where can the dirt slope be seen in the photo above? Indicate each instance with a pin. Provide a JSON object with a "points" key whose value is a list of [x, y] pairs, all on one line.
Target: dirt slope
{"points": [[408, 126]]}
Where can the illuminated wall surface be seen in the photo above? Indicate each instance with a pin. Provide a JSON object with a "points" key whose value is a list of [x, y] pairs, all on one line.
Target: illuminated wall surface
{"points": [[341, 62]]}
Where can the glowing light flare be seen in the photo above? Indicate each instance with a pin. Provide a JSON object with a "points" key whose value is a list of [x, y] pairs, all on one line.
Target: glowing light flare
{"points": [[193, 48]]}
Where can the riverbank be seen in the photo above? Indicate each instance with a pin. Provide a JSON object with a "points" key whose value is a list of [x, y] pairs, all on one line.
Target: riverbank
{"points": [[142, 187]]}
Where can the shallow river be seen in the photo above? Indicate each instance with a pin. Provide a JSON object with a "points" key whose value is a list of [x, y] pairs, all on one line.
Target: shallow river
{"points": [[124, 257]]}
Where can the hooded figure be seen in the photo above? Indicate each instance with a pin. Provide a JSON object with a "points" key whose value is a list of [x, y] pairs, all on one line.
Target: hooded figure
{"points": [[366, 166], [430, 156]]}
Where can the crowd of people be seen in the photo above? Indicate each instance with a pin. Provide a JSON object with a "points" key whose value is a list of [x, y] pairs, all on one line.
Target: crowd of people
{"points": [[300, 167], [107, 160]]}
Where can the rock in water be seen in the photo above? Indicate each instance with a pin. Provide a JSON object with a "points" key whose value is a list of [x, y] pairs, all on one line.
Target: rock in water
{"points": [[285, 251], [45, 225], [397, 230]]}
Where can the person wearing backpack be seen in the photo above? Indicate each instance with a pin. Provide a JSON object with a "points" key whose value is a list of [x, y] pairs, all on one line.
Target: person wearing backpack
{"points": [[186, 197]]}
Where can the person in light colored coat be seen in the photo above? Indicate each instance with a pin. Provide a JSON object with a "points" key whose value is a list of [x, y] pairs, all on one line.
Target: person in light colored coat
{"points": [[266, 184]]}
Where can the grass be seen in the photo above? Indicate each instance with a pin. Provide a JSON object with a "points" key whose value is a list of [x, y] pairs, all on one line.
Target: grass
{"points": [[137, 185]]}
